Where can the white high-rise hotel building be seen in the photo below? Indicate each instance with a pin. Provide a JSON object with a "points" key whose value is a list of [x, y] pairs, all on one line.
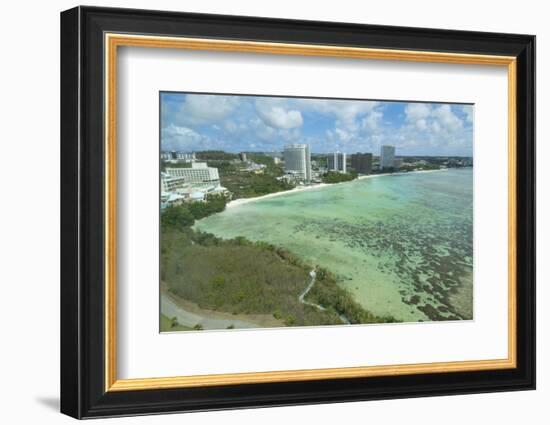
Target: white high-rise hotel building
{"points": [[337, 162], [298, 161], [387, 156]]}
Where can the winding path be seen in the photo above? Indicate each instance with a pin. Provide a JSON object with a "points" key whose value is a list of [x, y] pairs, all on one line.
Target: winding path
{"points": [[313, 275]]}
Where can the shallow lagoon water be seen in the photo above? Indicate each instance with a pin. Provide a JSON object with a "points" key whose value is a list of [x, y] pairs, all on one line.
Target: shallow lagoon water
{"points": [[402, 244]]}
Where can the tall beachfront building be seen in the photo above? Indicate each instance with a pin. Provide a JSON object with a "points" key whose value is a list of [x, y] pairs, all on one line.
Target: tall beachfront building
{"points": [[298, 161], [362, 162], [387, 156], [336, 162]]}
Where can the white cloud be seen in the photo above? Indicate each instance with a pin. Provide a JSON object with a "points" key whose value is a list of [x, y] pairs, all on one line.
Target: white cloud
{"points": [[274, 114], [343, 135], [355, 122], [181, 132], [435, 127], [420, 114], [348, 113], [417, 111], [270, 136], [181, 138], [447, 117], [230, 126], [372, 120], [352, 126], [201, 109], [421, 124], [439, 126]]}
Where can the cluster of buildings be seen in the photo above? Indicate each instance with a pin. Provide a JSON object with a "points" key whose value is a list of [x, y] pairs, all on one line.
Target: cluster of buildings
{"points": [[362, 163], [298, 163], [459, 162], [175, 157], [250, 166], [189, 184], [299, 167], [189, 180]]}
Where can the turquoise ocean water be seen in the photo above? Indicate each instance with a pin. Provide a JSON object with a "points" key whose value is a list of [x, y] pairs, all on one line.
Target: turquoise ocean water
{"points": [[402, 244]]}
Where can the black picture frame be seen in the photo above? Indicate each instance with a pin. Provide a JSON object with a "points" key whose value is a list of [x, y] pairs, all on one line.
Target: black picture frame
{"points": [[83, 392]]}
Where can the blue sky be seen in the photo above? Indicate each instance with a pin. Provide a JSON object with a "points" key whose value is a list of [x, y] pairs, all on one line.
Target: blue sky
{"points": [[191, 122]]}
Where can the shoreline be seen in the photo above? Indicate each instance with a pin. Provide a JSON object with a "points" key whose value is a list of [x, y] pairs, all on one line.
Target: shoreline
{"points": [[243, 201]]}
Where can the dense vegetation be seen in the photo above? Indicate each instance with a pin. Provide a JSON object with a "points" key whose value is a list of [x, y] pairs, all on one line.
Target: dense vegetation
{"points": [[249, 184], [216, 155], [336, 177], [321, 160], [244, 277], [213, 204], [411, 167], [165, 164], [179, 217], [237, 276]]}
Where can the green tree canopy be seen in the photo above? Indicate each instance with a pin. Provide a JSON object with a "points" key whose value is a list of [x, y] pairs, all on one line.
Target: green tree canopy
{"points": [[177, 217], [335, 177]]}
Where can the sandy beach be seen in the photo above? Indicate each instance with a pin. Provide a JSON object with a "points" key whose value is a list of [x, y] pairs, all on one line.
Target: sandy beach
{"points": [[243, 201]]}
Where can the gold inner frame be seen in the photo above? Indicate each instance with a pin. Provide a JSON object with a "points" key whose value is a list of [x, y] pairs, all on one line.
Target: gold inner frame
{"points": [[113, 41]]}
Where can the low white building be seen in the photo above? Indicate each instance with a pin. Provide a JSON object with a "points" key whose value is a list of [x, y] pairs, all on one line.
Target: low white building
{"points": [[199, 174], [175, 199], [197, 196], [170, 183], [254, 167], [186, 156]]}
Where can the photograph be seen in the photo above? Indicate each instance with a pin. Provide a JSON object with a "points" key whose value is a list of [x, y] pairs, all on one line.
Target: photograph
{"points": [[280, 211], [288, 210]]}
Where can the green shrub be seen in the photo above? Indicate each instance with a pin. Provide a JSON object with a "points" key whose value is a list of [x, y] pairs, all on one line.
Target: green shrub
{"points": [[336, 177]]}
